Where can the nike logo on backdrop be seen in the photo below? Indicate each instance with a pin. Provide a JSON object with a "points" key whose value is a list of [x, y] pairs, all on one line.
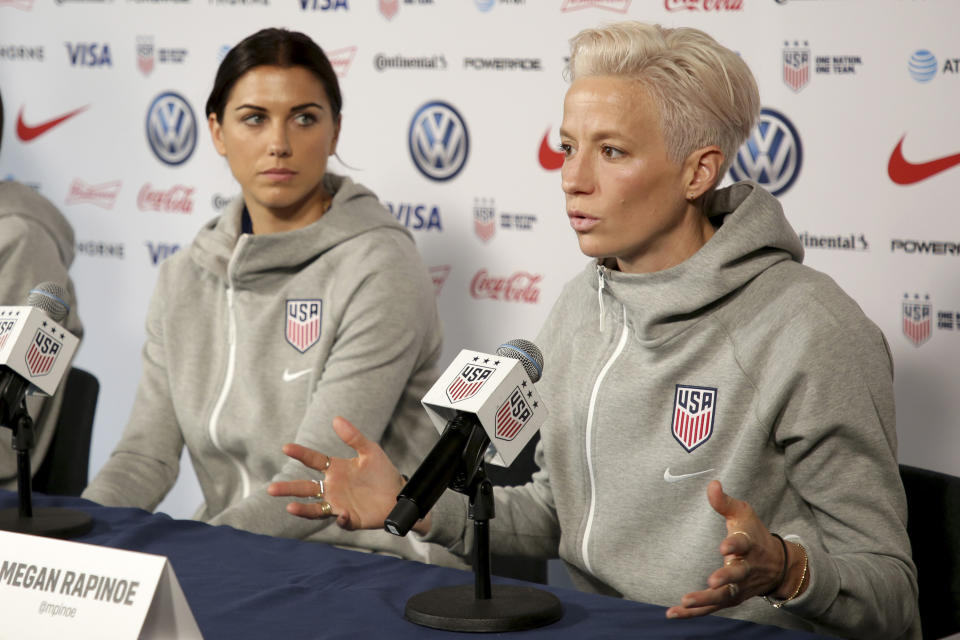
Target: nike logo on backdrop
{"points": [[669, 477], [904, 172], [290, 377], [550, 158], [27, 133]]}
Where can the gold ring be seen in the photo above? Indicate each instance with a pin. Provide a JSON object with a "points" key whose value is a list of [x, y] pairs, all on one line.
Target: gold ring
{"points": [[326, 509], [745, 535], [743, 561], [733, 589], [319, 484]]}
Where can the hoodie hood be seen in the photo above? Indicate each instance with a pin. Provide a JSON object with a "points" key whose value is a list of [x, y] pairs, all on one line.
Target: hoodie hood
{"points": [[353, 211], [753, 235], [18, 199]]}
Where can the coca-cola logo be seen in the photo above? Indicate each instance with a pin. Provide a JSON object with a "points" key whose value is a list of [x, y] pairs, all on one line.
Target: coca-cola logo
{"points": [[103, 195], [703, 5], [520, 287], [176, 199]]}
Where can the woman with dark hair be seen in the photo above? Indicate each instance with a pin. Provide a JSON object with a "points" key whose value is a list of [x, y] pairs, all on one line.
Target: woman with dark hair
{"points": [[302, 301]]}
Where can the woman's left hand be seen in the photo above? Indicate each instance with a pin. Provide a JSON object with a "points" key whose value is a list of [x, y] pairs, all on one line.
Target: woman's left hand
{"points": [[752, 560]]}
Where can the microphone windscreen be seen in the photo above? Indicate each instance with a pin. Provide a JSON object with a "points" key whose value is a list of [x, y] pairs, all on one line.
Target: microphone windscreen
{"points": [[527, 353], [50, 298]]}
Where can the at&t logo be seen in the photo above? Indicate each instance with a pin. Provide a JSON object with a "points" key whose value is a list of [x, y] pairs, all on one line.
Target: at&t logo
{"points": [[171, 128], [439, 141], [923, 65], [772, 155]]}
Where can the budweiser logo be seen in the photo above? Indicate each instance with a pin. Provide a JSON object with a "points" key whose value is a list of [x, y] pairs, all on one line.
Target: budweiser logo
{"points": [[520, 287], [176, 199], [102, 195], [340, 60], [618, 6], [25, 5], [439, 275], [703, 5]]}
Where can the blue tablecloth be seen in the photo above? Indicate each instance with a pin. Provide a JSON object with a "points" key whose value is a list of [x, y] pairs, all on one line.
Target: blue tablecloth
{"points": [[242, 585]]}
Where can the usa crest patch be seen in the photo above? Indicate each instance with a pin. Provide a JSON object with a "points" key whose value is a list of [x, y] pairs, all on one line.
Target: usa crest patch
{"points": [[917, 320], [512, 415], [42, 353], [468, 382], [302, 323], [693, 415]]}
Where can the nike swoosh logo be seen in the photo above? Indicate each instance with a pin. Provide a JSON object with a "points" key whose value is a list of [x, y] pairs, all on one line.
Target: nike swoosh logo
{"points": [[290, 377], [669, 477], [902, 171], [550, 158], [27, 133]]}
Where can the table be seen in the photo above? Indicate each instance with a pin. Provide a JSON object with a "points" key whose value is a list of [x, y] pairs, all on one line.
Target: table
{"points": [[243, 585]]}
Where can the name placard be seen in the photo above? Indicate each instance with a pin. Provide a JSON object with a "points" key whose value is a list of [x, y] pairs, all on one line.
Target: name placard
{"points": [[59, 589]]}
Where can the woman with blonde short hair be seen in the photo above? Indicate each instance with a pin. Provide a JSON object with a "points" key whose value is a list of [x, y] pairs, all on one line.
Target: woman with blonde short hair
{"points": [[694, 350]]}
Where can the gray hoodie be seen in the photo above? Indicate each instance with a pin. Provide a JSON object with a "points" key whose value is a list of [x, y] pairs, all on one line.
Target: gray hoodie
{"points": [[741, 365], [258, 340], [36, 245]]}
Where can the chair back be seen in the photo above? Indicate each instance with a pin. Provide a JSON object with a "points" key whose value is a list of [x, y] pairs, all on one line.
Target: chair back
{"points": [[64, 470], [933, 524]]}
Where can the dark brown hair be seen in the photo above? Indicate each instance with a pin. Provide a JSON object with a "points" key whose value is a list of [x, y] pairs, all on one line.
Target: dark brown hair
{"points": [[274, 47]]}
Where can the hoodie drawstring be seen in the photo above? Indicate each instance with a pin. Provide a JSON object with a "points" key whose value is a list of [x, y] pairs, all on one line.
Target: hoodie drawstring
{"points": [[601, 283]]}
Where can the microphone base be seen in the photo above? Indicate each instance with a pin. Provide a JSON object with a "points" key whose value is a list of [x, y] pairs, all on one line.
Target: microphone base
{"points": [[511, 608], [50, 522]]}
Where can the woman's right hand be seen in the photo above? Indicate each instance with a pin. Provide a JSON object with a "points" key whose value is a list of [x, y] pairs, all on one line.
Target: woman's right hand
{"points": [[361, 490]]}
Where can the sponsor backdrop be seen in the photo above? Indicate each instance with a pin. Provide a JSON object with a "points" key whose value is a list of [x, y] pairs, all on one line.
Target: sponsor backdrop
{"points": [[451, 116]]}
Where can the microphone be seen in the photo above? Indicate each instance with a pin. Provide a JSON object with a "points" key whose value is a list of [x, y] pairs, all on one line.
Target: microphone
{"points": [[479, 398], [35, 353], [35, 350], [480, 402]]}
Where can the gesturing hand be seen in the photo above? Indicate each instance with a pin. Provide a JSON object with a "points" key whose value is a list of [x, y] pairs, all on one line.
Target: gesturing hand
{"points": [[752, 560], [359, 491]]}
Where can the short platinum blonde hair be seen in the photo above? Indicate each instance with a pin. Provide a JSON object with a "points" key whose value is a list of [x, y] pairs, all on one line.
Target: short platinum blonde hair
{"points": [[705, 92]]}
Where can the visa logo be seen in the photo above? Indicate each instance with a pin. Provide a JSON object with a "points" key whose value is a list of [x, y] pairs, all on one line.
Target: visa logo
{"points": [[323, 5], [89, 54], [161, 251]]}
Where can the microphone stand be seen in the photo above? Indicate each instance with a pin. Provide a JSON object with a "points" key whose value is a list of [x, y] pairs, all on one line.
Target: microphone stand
{"points": [[53, 522], [485, 607]]}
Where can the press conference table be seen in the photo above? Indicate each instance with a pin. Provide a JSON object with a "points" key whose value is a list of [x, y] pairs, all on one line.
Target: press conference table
{"points": [[242, 585]]}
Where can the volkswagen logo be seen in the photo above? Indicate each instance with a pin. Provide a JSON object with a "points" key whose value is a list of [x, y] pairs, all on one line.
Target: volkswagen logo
{"points": [[772, 155], [171, 128], [439, 142]]}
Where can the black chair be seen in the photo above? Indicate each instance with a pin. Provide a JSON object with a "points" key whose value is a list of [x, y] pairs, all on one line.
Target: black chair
{"points": [[64, 469], [933, 524], [519, 567]]}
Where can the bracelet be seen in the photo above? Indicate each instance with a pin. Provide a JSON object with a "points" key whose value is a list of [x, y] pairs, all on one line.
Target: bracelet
{"points": [[783, 571], [803, 579]]}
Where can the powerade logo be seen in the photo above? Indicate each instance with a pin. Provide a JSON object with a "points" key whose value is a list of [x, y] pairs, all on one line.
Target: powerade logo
{"points": [[438, 140], [923, 65], [772, 155], [171, 128]]}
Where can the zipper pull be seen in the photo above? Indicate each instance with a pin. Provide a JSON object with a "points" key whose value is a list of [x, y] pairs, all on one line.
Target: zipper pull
{"points": [[601, 283]]}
